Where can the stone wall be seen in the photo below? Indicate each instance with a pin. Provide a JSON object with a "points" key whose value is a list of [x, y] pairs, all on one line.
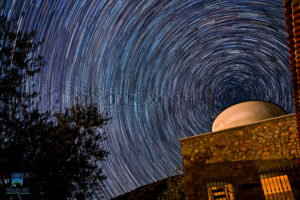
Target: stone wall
{"points": [[273, 139]]}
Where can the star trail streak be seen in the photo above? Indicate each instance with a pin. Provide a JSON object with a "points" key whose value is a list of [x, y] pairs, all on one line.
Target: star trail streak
{"points": [[162, 70]]}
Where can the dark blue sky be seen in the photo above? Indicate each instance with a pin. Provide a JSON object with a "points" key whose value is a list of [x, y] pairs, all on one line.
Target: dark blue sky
{"points": [[153, 66]]}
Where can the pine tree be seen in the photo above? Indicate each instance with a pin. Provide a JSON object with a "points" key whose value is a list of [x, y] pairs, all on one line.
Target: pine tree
{"points": [[59, 153], [17, 64]]}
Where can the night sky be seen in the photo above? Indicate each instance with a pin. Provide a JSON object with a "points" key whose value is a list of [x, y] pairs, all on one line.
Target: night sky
{"points": [[162, 70]]}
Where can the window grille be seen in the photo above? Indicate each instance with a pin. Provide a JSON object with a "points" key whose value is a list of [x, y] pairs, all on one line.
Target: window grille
{"points": [[276, 187], [220, 191]]}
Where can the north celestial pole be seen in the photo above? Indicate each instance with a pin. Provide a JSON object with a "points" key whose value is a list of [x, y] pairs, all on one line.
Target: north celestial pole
{"points": [[153, 66]]}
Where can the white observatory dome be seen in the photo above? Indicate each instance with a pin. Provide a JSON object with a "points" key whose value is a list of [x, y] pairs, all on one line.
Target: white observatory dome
{"points": [[246, 113]]}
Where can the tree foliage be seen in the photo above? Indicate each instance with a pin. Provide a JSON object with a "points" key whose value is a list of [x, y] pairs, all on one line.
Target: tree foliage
{"points": [[175, 189], [59, 153], [18, 63]]}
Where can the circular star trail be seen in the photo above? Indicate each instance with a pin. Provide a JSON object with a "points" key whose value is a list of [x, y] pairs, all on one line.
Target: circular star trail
{"points": [[162, 70]]}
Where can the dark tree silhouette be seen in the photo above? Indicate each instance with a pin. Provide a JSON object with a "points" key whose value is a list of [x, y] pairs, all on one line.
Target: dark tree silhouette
{"points": [[60, 153], [175, 188]]}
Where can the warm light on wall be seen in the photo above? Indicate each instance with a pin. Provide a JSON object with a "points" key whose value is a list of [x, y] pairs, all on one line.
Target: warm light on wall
{"points": [[221, 192], [292, 14], [276, 187]]}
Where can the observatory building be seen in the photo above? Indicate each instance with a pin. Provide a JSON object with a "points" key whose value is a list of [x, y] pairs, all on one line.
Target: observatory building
{"points": [[251, 153]]}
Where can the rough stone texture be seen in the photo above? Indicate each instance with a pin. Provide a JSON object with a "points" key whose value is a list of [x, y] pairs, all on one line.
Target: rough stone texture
{"points": [[238, 152]]}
